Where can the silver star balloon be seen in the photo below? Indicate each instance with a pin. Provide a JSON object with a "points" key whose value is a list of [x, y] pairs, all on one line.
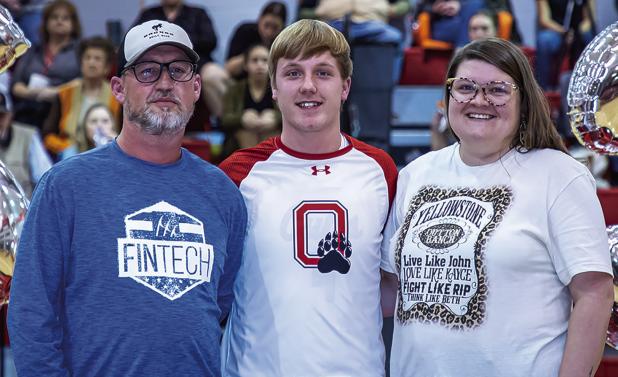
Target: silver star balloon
{"points": [[612, 329], [13, 202], [593, 94]]}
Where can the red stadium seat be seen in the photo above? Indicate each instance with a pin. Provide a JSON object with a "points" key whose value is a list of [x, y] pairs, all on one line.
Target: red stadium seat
{"points": [[424, 66], [609, 203], [200, 148]]}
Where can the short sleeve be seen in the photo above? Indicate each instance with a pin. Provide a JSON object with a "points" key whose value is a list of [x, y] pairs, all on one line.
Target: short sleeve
{"points": [[578, 239], [393, 224]]}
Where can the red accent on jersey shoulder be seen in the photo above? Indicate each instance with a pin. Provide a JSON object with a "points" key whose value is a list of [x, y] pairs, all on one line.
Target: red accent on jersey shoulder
{"points": [[384, 160], [312, 156], [240, 163]]}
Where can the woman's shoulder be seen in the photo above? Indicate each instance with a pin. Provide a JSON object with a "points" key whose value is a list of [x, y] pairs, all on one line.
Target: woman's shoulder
{"points": [[551, 165], [551, 159], [246, 28]]}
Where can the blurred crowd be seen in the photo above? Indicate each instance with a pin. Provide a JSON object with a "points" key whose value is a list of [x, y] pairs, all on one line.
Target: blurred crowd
{"points": [[56, 101]]}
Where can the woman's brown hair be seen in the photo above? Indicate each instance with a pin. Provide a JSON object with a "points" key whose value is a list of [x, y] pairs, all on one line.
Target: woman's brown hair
{"points": [[536, 129], [76, 33]]}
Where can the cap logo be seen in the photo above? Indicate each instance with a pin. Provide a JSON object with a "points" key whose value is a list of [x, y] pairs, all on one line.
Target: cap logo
{"points": [[158, 33]]}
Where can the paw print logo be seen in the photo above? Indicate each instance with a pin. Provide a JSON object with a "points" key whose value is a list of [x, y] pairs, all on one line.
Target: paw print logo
{"points": [[335, 251]]}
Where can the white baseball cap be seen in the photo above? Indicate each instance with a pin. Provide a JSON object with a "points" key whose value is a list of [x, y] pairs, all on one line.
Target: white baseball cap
{"points": [[149, 34]]}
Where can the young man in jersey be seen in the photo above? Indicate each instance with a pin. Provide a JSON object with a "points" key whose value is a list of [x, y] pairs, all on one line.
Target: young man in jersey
{"points": [[308, 291], [129, 252]]}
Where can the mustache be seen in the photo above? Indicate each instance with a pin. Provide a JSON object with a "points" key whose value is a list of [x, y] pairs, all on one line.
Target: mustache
{"points": [[164, 94]]}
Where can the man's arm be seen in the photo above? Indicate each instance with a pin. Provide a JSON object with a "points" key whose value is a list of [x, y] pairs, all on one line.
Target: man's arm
{"points": [[235, 243], [36, 298], [388, 290], [593, 296]]}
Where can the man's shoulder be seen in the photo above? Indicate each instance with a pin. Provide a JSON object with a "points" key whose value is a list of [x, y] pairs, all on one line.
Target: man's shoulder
{"points": [[151, 13], [240, 163], [193, 8], [82, 168]]}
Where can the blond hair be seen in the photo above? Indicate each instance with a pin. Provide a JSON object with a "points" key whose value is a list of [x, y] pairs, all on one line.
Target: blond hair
{"points": [[307, 38]]}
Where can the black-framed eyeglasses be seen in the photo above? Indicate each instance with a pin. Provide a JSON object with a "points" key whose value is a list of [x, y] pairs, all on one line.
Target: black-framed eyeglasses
{"points": [[149, 72], [463, 90]]}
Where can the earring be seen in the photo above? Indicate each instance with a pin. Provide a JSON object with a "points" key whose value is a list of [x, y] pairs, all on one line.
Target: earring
{"points": [[522, 130]]}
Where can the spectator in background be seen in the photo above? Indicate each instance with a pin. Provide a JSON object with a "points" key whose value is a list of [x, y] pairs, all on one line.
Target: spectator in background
{"points": [[46, 66], [28, 14], [21, 148], [450, 18], [270, 23], [497, 6], [482, 25], [561, 30], [368, 19], [365, 20], [249, 114], [196, 22], [61, 131], [99, 126]]}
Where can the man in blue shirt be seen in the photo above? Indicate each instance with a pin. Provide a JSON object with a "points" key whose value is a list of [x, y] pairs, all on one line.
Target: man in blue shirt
{"points": [[129, 251]]}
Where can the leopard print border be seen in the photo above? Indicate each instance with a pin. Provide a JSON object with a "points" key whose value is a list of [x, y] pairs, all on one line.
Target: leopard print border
{"points": [[501, 198]]}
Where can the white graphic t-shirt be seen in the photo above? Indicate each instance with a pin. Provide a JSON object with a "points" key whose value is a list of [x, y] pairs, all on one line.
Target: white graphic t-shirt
{"points": [[484, 255]]}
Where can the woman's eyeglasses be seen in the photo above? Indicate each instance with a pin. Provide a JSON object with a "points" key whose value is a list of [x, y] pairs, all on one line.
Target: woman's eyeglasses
{"points": [[463, 90]]}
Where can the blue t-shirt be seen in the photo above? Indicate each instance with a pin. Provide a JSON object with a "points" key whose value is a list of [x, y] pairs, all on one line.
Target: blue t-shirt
{"points": [[125, 268]]}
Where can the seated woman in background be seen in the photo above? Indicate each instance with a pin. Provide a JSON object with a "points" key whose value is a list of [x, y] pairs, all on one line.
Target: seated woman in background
{"points": [[46, 66], [249, 113], [270, 23], [61, 132], [99, 126]]}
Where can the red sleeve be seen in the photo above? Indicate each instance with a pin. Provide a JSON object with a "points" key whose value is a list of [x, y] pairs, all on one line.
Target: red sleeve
{"points": [[240, 163], [386, 163]]}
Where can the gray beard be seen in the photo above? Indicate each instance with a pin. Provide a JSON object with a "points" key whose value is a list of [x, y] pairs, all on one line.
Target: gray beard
{"points": [[152, 123]]}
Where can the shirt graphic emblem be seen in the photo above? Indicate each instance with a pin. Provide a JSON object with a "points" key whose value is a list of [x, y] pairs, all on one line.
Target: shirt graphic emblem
{"points": [[440, 255], [321, 236], [165, 250], [315, 170]]}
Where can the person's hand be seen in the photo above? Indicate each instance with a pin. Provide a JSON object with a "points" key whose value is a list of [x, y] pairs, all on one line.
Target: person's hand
{"points": [[268, 119], [250, 119], [585, 25], [46, 94], [447, 8], [451, 8]]}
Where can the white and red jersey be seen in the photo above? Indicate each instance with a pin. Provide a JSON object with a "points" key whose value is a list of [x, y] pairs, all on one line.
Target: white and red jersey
{"points": [[307, 296]]}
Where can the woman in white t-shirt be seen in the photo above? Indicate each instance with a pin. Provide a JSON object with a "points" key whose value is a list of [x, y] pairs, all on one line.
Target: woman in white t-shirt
{"points": [[498, 241]]}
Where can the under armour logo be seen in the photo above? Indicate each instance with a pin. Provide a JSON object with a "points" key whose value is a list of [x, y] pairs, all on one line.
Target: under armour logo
{"points": [[157, 27], [315, 170]]}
